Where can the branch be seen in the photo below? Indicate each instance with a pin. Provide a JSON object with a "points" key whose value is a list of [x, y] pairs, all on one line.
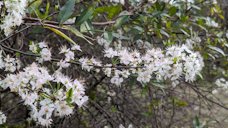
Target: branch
{"points": [[205, 97], [57, 23], [13, 34], [100, 109]]}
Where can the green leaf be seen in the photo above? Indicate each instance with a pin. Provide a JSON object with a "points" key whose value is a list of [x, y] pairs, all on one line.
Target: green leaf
{"points": [[87, 27], [69, 96], [158, 85], [66, 11], [160, 6], [145, 89], [119, 36], [76, 32], [34, 8], [60, 34], [197, 123], [212, 56], [113, 108], [168, 24], [185, 32], [172, 11], [45, 15], [108, 36], [200, 75], [86, 14], [180, 103], [120, 21], [226, 44], [18, 54], [35, 5], [217, 50], [164, 33], [200, 22], [44, 95], [111, 11], [69, 93], [196, 7], [184, 18]]}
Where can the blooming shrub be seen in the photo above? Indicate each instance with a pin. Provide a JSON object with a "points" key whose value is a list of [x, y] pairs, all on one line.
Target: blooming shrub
{"points": [[156, 42]]}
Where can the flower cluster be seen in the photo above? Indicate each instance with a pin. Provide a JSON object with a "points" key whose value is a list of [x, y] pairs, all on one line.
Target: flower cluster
{"points": [[8, 63], [88, 64], [172, 64], [211, 23], [118, 1], [15, 10], [222, 84], [103, 42], [69, 55], [2, 118], [42, 49], [46, 95], [177, 61]]}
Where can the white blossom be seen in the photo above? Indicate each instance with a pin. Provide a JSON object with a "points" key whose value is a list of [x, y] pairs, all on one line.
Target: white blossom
{"points": [[69, 56], [15, 12], [2, 118], [70, 20], [42, 44], [125, 56], [144, 77], [85, 64], [29, 98], [64, 49], [211, 23], [103, 42], [116, 80], [76, 47], [45, 54], [63, 64], [222, 83], [10, 64], [118, 1], [81, 100], [125, 73], [107, 71], [33, 47], [32, 84], [62, 109], [2, 63], [173, 63], [152, 1], [110, 53]]}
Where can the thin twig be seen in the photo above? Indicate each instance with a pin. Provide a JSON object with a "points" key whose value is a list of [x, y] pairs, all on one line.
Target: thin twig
{"points": [[57, 23], [13, 34], [205, 97]]}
